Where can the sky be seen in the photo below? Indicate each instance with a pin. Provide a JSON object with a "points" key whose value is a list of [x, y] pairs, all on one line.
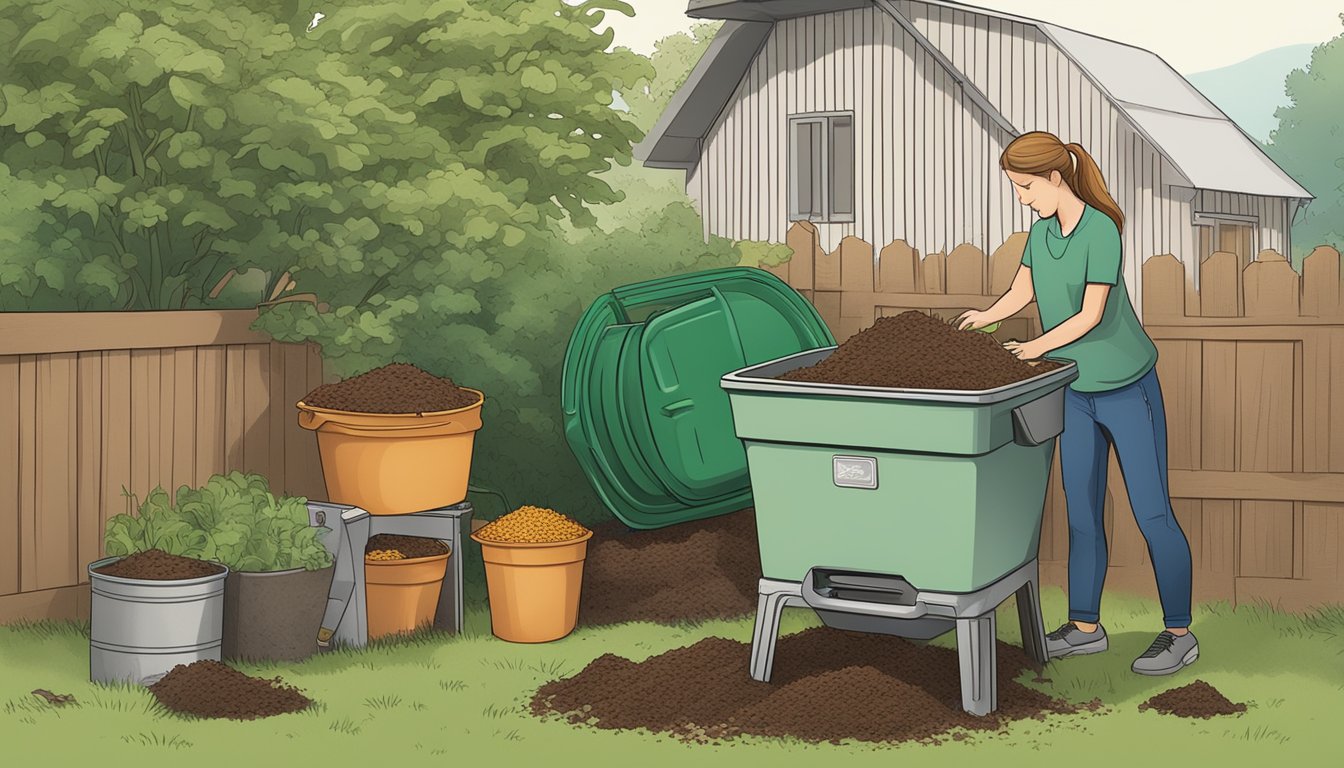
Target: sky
{"points": [[1192, 35]]}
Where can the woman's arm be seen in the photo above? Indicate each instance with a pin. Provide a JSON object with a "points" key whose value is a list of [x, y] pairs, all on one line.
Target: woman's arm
{"points": [[1014, 300], [1069, 331]]}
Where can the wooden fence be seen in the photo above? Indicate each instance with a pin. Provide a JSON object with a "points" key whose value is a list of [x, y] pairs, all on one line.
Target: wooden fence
{"points": [[96, 402], [1252, 372]]}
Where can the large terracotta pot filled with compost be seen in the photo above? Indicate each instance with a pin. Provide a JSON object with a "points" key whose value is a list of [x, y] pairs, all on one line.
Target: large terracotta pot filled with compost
{"points": [[394, 440], [534, 573]]}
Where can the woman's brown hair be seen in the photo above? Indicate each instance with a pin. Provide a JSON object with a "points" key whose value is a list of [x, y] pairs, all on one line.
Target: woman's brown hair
{"points": [[1038, 153]]}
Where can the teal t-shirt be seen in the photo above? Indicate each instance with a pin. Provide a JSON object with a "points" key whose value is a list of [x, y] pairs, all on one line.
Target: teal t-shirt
{"points": [[1117, 351]]}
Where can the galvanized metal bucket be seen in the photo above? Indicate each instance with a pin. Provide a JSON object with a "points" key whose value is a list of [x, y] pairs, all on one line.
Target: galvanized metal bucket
{"points": [[140, 629]]}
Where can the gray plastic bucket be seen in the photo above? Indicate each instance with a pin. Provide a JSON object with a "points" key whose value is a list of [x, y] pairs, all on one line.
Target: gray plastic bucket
{"points": [[140, 629]]}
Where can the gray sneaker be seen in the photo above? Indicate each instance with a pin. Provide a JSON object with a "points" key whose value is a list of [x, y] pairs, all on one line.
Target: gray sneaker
{"points": [[1069, 640], [1168, 654]]}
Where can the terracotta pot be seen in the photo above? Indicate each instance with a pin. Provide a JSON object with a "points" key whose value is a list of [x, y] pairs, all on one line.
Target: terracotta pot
{"points": [[534, 588], [395, 463], [402, 595]]}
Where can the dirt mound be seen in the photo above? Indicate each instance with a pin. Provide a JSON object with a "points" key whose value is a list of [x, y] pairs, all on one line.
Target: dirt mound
{"points": [[408, 546], [1198, 699], [700, 570], [916, 351], [396, 388], [828, 686], [211, 689], [157, 565]]}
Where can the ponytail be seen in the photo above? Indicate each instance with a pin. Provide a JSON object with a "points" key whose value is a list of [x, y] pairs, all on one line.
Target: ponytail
{"points": [[1038, 153], [1089, 185]]}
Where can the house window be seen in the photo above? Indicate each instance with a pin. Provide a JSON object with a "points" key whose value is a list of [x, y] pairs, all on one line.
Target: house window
{"points": [[1224, 233], [821, 167]]}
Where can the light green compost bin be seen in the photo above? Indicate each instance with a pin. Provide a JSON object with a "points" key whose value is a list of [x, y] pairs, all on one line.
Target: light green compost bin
{"points": [[942, 488]]}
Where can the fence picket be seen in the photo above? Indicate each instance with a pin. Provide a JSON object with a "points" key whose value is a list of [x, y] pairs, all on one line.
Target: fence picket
{"points": [[1163, 289], [898, 268], [935, 273], [856, 265], [1321, 284], [1220, 285], [966, 270], [1005, 262], [1272, 287]]}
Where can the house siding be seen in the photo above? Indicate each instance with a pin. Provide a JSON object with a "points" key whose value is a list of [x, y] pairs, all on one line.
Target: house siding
{"points": [[926, 155]]}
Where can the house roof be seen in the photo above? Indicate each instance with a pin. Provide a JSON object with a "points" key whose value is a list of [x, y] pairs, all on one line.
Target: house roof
{"points": [[1197, 138]]}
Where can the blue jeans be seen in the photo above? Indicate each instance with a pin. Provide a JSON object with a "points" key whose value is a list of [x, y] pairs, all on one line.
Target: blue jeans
{"points": [[1133, 420]]}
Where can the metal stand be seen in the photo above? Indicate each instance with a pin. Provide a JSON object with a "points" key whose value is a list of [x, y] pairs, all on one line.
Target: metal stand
{"points": [[922, 616], [346, 620]]}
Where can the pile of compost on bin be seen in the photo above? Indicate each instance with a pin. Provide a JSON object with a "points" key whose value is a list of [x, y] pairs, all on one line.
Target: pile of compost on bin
{"points": [[396, 388], [634, 575], [916, 351], [405, 547], [211, 689], [1198, 699], [828, 685], [157, 565]]}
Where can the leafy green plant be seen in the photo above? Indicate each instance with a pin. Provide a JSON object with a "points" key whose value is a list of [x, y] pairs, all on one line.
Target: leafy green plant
{"points": [[233, 519]]}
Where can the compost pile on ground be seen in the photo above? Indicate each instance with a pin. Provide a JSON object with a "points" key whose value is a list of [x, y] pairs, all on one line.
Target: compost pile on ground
{"points": [[1198, 699], [405, 547], [828, 686], [211, 689], [157, 565], [707, 569], [917, 351], [396, 388]]}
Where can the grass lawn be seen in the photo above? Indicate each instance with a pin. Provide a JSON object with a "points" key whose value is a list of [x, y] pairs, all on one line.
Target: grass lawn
{"points": [[442, 699]]}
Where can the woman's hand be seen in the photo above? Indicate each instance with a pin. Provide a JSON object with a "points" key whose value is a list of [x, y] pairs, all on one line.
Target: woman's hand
{"points": [[973, 319], [1025, 350]]}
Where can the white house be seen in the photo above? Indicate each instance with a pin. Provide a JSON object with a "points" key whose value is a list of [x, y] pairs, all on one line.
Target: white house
{"points": [[885, 119]]}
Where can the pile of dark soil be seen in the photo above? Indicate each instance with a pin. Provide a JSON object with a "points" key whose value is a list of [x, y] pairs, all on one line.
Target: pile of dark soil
{"points": [[1198, 699], [396, 388], [408, 546], [157, 565], [211, 689], [707, 569], [828, 686], [916, 351]]}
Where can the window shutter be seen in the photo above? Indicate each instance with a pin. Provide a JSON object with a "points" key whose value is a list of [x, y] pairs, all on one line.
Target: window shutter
{"points": [[842, 168]]}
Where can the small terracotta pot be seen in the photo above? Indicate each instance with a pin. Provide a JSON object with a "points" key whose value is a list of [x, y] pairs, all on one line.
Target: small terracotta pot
{"points": [[402, 595]]}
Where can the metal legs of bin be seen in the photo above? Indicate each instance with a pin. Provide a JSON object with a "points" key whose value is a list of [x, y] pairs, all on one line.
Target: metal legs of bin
{"points": [[972, 615], [775, 597], [346, 619]]}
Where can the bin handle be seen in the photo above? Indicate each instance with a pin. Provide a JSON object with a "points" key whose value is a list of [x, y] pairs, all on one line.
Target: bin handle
{"points": [[860, 583]]}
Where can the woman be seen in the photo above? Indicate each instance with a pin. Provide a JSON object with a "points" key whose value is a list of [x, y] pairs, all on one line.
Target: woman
{"points": [[1071, 267]]}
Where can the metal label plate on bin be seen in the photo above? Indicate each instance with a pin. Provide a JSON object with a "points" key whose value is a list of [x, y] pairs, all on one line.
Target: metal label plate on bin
{"points": [[854, 471]]}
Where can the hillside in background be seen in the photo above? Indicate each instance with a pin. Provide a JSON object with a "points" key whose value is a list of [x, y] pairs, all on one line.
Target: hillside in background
{"points": [[1251, 90]]}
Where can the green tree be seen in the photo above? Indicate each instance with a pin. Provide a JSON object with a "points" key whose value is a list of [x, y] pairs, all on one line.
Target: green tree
{"points": [[647, 189], [148, 147], [1308, 144]]}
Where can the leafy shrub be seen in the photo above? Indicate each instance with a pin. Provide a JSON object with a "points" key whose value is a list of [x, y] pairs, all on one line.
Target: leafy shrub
{"points": [[233, 519]]}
